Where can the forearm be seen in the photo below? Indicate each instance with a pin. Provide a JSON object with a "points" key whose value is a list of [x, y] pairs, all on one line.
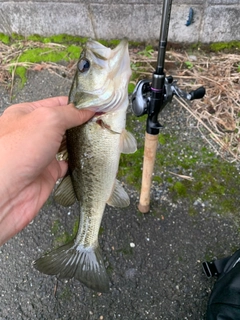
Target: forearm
{"points": [[18, 203], [15, 213]]}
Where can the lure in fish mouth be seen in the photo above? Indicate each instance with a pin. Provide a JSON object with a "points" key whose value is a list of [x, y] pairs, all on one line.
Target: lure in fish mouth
{"points": [[100, 84]]}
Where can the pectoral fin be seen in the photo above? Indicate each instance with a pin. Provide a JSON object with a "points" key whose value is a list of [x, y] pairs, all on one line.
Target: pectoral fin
{"points": [[62, 152], [119, 198], [64, 193], [129, 143]]}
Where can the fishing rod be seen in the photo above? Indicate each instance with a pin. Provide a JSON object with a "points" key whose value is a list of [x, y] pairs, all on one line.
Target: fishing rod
{"points": [[150, 97]]}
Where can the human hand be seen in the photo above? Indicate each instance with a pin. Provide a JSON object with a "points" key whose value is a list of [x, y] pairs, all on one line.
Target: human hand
{"points": [[30, 136]]}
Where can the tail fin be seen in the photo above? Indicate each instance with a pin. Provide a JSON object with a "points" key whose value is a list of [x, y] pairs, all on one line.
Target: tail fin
{"points": [[70, 260]]}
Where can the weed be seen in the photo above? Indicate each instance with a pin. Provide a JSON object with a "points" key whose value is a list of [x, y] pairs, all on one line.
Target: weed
{"points": [[188, 64], [4, 38]]}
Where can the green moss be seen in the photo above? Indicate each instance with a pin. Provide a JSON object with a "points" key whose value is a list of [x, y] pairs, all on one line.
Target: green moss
{"points": [[55, 227], [15, 36], [131, 88], [162, 138], [63, 237], [75, 228], [109, 43], [192, 211], [219, 46], [4, 38], [157, 179], [130, 168], [215, 183], [37, 55], [73, 52], [21, 73], [66, 293], [135, 74], [35, 37], [180, 188], [195, 46], [135, 43], [60, 38], [46, 54], [101, 230], [64, 39]]}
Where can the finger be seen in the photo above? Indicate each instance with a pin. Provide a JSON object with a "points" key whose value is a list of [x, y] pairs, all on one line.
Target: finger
{"points": [[72, 117], [50, 102], [26, 107], [63, 168]]}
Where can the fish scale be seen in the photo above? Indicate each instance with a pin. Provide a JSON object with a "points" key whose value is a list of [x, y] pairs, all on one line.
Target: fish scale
{"points": [[94, 174]]}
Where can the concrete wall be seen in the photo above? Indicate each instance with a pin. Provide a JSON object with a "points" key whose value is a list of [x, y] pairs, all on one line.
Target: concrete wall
{"points": [[214, 20]]}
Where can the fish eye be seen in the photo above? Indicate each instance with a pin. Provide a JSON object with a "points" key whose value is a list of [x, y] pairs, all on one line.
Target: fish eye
{"points": [[83, 65]]}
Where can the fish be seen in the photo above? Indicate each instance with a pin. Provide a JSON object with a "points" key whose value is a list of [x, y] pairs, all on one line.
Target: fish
{"points": [[100, 84]]}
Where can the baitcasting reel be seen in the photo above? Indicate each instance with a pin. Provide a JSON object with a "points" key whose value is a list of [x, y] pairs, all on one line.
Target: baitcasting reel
{"points": [[141, 98]]}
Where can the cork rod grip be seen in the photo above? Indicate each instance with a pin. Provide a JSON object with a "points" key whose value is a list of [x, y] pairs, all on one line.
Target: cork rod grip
{"points": [[150, 149]]}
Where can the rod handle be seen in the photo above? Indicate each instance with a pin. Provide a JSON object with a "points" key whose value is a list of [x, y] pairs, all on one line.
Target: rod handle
{"points": [[150, 149]]}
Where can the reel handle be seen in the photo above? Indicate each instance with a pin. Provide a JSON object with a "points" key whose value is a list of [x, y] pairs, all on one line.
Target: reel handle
{"points": [[196, 94]]}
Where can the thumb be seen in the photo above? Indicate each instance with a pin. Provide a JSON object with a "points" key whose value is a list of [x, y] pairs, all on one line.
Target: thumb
{"points": [[73, 117]]}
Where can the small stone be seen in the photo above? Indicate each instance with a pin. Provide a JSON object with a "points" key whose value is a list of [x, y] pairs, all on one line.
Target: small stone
{"points": [[192, 58]]}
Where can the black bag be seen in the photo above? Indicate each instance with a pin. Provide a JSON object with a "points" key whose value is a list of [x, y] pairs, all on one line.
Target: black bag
{"points": [[224, 301]]}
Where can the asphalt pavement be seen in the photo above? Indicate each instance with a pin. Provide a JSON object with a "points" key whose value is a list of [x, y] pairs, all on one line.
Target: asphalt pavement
{"points": [[153, 260]]}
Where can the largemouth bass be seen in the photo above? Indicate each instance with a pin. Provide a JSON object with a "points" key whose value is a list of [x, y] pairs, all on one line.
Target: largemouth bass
{"points": [[100, 84]]}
